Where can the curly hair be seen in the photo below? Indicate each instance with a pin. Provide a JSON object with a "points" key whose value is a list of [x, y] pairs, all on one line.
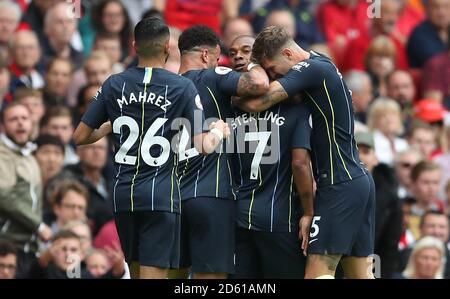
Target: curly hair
{"points": [[196, 36]]}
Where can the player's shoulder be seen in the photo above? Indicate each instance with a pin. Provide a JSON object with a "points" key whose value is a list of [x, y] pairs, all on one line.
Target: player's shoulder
{"points": [[316, 61]]}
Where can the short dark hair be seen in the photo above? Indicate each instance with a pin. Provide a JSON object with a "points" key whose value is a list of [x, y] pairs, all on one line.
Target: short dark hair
{"points": [[197, 36], [65, 234], [25, 92], [50, 140], [269, 42], [431, 212], [421, 167], [63, 186], [149, 36], [6, 247], [56, 111]]}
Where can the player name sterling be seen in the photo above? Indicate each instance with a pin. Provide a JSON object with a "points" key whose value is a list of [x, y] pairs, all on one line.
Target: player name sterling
{"points": [[250, 117], [145, 97]]}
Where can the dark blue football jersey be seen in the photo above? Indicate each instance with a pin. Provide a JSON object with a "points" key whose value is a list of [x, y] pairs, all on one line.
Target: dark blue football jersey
{"points": [[209, 176], [144, 106], [262, 172], [334, 156]]}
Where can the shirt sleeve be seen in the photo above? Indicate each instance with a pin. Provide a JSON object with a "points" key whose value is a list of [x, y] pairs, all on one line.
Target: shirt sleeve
{"points": [[96, 113], [302, 133], [227, 80], [304, 75], [193, 111]]}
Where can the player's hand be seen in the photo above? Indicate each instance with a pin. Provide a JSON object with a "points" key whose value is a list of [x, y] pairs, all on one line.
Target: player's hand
{"points": [[303, 234], [222, 127]]}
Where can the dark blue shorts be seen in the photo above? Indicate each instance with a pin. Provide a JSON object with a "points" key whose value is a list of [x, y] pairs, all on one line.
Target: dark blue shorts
{"points": [[344, 219], [207, 235], [268, 255], [151, 238]]}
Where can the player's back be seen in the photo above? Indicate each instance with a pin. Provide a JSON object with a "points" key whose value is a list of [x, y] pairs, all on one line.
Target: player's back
{"points": [[264, 185], [142, 104], [209, 176]]}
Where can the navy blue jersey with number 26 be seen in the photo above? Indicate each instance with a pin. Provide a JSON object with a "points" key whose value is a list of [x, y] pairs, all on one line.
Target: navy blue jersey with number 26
{"points": [[142, 104]]}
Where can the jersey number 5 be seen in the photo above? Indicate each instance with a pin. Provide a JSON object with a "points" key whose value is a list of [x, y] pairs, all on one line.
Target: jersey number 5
{"points": [[149, 140]]}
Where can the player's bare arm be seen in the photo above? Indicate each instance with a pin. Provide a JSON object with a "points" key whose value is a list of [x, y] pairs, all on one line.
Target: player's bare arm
{"points": [[87, 135], [275, 95], [206, 143], [253, 83], [301, 168]]}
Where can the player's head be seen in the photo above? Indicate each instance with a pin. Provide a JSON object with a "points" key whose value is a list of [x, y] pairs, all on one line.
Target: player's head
{"points": [[200, 43], [240, 52], [276, 51], [151, 39]]}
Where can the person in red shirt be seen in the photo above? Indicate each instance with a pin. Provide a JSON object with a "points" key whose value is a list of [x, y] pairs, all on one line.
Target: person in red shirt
{"points": [[342, 21], [408, 19], [385, 25]]}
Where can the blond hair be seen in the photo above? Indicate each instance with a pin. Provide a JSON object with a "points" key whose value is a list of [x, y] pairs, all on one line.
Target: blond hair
{"points": [[380, 107], [425, 243]]}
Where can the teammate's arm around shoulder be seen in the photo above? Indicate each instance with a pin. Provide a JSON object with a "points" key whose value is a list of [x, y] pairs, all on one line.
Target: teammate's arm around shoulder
{"points": [[253, 83], [274, 95]]}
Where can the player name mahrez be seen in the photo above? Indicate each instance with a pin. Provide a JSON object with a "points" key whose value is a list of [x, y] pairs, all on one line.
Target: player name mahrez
{"points": [[145, 97]]}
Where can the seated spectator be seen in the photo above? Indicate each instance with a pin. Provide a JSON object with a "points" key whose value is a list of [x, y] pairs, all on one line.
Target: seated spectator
{"points": [[400, 87], [83, 231], [34, 101], [430, 37], [423, 138], [5, 81], [434, 224], [90, 172], [361, 86], [381, 26], [409, 17], [111, 45], [385, 121], [426, 261], [436, 77], [10, 15], [380, 61], [25, 55], [8, 260], [20, 187], [59, 29], [404, 163], [58, 77], [111, 17], [342, 21], [307, 29], [108, 263], [240, 52], [58, 122], [283, 18], [69, 202]]}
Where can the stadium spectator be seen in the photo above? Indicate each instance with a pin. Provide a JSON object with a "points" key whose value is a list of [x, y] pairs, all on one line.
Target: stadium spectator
{"points": [[404, 162], [50, 156], [59, 29], [443, 160], [33, 100], [5, 81], [430, 37], [427, 260], [380, 61], [381, 26], [83, 231], [111, 16], [58, 122], [111, 45], [423, 138], [388, 210], [58, 77], [400, 87], [8, 260], [385, 121], [408, 19], [25, 55], [85, 96], [20, 186], [69, 202], [89, 172], [233, 28], [434, 224], [10, 15], [307, 30], [447, 196], [107, 263], [342, 21], [360, 84], [283, 18]]}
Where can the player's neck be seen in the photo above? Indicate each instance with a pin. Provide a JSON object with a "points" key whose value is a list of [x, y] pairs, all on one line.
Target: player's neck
{"points": [[188, 64], [157, 62]]}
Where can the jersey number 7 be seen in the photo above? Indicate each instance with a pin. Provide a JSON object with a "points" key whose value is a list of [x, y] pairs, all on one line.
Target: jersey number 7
{"points": [[263, 139]]}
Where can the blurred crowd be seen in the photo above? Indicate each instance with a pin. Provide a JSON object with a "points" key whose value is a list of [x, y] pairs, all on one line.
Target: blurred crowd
{"points": [[55, 199]]}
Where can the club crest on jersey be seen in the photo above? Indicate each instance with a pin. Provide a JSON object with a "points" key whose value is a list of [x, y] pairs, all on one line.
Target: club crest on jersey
{"points": [[298, 67], [221, 70], [198, 102]]}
